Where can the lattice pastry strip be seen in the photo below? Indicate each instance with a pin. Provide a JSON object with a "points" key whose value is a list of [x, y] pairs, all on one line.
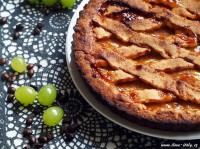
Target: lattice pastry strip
{"points": [[171, 18], [168, 65], [186, 8]]}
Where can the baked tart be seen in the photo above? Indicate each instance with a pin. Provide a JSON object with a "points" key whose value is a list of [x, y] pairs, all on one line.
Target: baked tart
{"points": [[142, 57]]}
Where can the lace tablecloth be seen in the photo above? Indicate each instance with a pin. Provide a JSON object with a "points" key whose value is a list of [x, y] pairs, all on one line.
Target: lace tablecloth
{"points": [[47, 52]]}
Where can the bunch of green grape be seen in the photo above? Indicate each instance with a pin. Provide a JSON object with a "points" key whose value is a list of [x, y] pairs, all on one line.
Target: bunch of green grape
{"points": [[49, 3], [27, 95], [46, 96]]}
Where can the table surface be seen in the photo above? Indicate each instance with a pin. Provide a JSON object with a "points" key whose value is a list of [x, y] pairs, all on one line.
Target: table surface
{"points": [[47, 52]]}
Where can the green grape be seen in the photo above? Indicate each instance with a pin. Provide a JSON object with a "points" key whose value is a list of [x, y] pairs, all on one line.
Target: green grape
{"points": [[18, 64], [67, 3], [49, 2], [25, 95], [47, 95], [52, 116]]}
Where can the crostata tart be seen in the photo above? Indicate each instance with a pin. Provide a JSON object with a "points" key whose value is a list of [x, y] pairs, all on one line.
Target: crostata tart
{"points": [[143, 58]]}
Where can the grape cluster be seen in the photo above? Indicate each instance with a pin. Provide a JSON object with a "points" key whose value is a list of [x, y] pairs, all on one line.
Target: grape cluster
{"points": [[26, 95], [49, 3], [46, 96]]}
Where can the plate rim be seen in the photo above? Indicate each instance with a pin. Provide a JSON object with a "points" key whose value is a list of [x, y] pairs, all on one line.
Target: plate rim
{"points": [[112, 116]]}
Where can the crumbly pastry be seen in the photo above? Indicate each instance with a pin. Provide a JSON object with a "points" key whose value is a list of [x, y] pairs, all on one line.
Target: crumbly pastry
{"points": [[142, 57]]}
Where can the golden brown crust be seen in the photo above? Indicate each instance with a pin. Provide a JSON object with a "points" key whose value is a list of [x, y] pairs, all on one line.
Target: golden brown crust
{"points": [[86, 49]]}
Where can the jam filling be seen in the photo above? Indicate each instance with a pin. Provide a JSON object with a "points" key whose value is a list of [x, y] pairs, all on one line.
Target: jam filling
{"points": [[129, 84], [125, 16]]}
